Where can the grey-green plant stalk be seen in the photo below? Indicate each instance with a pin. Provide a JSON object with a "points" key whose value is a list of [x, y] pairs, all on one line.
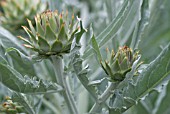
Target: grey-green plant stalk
{"points": [[61, 79], [103, 97]]}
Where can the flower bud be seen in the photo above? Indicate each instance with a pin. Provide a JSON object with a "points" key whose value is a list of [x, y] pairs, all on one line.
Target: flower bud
{"points": [[53, 34], [15, 12], [119, 64]]}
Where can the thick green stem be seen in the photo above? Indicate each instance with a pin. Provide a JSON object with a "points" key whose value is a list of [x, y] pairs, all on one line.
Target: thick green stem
{"points": [[101, 99], [61, 79]]}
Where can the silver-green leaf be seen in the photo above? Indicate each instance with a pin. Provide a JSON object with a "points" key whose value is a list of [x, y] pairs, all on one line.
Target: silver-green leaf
{"points": [[15, 81]]}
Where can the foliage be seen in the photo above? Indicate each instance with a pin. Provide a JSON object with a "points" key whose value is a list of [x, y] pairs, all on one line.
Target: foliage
{"points": [[71, 71]]}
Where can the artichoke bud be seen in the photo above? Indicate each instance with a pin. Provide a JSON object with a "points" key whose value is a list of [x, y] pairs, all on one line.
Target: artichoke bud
{"points": [[53, 35], [15, 12], [119, 64], [11, 107]]}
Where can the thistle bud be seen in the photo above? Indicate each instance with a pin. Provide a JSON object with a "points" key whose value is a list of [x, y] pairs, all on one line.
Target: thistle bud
{"points": [[10, 107], [53, 34], [15, 12], [119, 64]]}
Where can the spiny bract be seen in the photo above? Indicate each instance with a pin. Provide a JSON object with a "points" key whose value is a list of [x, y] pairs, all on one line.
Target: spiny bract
{"points": [[119, 64], [54, 33], [16, 12]]}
